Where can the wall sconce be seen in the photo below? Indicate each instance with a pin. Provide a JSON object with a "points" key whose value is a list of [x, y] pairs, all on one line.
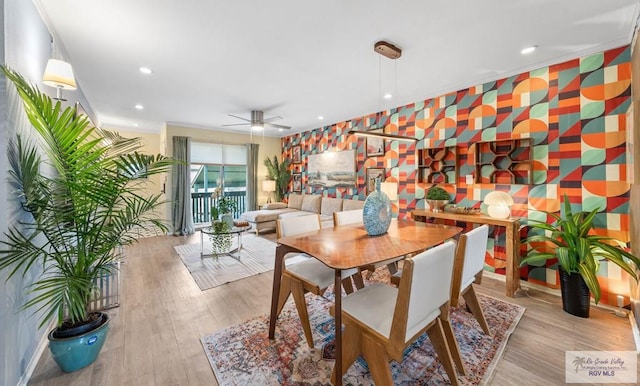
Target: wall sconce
{"points": [[59, 74], [269, 186], [499, 204]]}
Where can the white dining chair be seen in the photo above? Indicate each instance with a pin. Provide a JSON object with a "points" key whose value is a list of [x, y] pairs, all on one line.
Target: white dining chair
{"points": [[307, 274], [348, 217], [381, 321], [468, 268]]}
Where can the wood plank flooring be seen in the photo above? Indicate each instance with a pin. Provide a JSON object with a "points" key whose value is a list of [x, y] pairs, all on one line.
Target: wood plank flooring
{"points": [[154, 336]]}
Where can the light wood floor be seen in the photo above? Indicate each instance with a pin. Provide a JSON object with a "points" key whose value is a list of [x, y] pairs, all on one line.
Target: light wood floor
{"points": [[154, 336]]}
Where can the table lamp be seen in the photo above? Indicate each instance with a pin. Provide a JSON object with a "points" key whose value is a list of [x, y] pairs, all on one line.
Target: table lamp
{"points": [[499, 204], [269, 186]]}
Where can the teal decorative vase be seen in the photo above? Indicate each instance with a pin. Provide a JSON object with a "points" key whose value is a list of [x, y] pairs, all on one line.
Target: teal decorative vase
{"points": [[376, 213], [74, 353]]}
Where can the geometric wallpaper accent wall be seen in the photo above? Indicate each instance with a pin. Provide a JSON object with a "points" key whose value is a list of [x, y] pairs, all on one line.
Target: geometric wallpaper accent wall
{"points": [[574, 114]]}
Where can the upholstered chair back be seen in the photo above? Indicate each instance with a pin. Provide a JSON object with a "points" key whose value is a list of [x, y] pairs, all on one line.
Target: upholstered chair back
{"points": [[347, 217], [295, 225], [421, 297]]}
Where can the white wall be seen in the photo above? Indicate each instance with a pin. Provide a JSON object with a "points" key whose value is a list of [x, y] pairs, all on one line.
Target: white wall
{"points": [[26, 47]]}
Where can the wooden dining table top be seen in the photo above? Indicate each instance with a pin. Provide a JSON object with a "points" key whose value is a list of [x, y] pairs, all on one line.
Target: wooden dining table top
{"points": [[349, 246]]}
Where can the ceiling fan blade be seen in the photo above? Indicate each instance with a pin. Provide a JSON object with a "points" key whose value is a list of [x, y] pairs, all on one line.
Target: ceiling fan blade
{"points": [[278, 126], [272, 119], [238, 124], [235, 116]]}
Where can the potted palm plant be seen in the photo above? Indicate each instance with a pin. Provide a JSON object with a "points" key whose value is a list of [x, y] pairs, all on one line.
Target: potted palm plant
{"points": [[579, 250], [82, 198], [280, 173]]}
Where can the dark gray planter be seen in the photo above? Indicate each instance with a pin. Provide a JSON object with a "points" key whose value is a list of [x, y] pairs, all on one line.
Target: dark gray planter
{"points": [[576, 298]]}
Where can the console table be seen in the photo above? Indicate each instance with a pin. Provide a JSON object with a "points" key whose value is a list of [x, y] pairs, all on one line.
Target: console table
{"points": [[512, 240]]}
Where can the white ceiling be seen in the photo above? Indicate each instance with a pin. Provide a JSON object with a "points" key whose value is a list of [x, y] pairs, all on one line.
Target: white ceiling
{"points": [[302, 59]]}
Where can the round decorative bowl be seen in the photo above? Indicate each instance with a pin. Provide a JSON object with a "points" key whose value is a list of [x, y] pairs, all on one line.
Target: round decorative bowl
{"points": [[452, 208], [437, 205]]}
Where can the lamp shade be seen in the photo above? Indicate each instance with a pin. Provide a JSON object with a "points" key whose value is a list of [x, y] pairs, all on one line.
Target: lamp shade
{"points": [[59, 74], [390, 189], [269, 186], [499, 204]]}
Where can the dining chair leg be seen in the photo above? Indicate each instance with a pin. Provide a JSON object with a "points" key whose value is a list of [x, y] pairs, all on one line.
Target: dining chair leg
{"points": [[347, 285], [301, 305], [437, 337], [377, 360], [358, 280], [454, 348], [473, 304], [285, 291], [392, 267]]}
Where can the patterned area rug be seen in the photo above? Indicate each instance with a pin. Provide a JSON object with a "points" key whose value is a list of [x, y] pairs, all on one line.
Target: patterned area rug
{"points": [[243, 354], [257, 256]]}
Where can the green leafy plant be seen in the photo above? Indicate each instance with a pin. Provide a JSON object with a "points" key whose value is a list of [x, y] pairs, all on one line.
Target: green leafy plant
{"points": [[280, 173], [221, 205], [437, 193], [221, 240], [571, 239], [82, 199]]}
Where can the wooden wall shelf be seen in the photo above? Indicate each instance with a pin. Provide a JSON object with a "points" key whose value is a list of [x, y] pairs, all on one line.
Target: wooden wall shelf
{"points": [[438, 165], [507, 161]]}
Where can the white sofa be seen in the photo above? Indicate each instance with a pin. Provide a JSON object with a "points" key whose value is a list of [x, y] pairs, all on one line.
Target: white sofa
{"points": [[299, 205]]}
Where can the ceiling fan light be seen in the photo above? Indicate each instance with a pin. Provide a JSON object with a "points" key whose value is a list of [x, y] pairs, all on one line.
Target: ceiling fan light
{"points": [[256, 127]]}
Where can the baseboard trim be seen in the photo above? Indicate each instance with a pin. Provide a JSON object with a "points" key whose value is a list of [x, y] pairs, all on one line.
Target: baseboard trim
{"points": [[636, 332], [31, 367], [526, 285]]}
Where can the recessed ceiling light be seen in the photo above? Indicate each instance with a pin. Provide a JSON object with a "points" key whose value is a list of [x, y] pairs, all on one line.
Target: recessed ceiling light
{"points": [[135, 125], [387, 96], [528, 50], [320, 117], [139, 107], [145, 70]]}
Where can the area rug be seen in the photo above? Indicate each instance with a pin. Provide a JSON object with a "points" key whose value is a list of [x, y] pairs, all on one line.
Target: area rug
{"points": [[257, 256], [243, 354]]}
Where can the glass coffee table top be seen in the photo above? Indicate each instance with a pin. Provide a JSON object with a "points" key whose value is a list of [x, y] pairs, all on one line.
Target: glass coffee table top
{"points": [[223, 235]]}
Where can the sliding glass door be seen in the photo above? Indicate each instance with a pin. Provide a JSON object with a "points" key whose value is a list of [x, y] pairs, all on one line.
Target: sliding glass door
{"points": [[217, 166]]}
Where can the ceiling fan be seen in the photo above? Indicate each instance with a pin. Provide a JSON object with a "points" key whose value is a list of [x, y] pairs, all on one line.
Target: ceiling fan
{"points": [[258, 122]]}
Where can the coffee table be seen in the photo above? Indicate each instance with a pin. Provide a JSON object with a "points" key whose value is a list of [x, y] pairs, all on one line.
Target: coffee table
{"points": [[238, 231]]}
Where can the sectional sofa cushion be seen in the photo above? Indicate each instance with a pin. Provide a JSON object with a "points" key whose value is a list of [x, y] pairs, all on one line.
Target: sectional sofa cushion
{"points": [[274, 205], [352, 204], [330, 205], [311, 203], [295, 201], [257, 216]]}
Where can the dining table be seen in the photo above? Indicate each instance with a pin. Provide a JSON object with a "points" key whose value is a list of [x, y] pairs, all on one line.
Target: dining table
{"points": [[349, 246]]}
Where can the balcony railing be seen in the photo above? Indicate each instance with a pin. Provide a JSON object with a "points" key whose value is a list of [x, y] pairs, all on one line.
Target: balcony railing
{"points": [[201, 205]]}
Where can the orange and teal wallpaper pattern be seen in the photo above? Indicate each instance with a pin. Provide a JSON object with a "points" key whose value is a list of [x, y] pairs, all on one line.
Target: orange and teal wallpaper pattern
{"points": [[574, 114]]}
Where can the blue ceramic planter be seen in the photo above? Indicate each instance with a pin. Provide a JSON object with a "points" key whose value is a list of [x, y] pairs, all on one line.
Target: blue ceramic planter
{"points": [[376, 213], [77, 352]]}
